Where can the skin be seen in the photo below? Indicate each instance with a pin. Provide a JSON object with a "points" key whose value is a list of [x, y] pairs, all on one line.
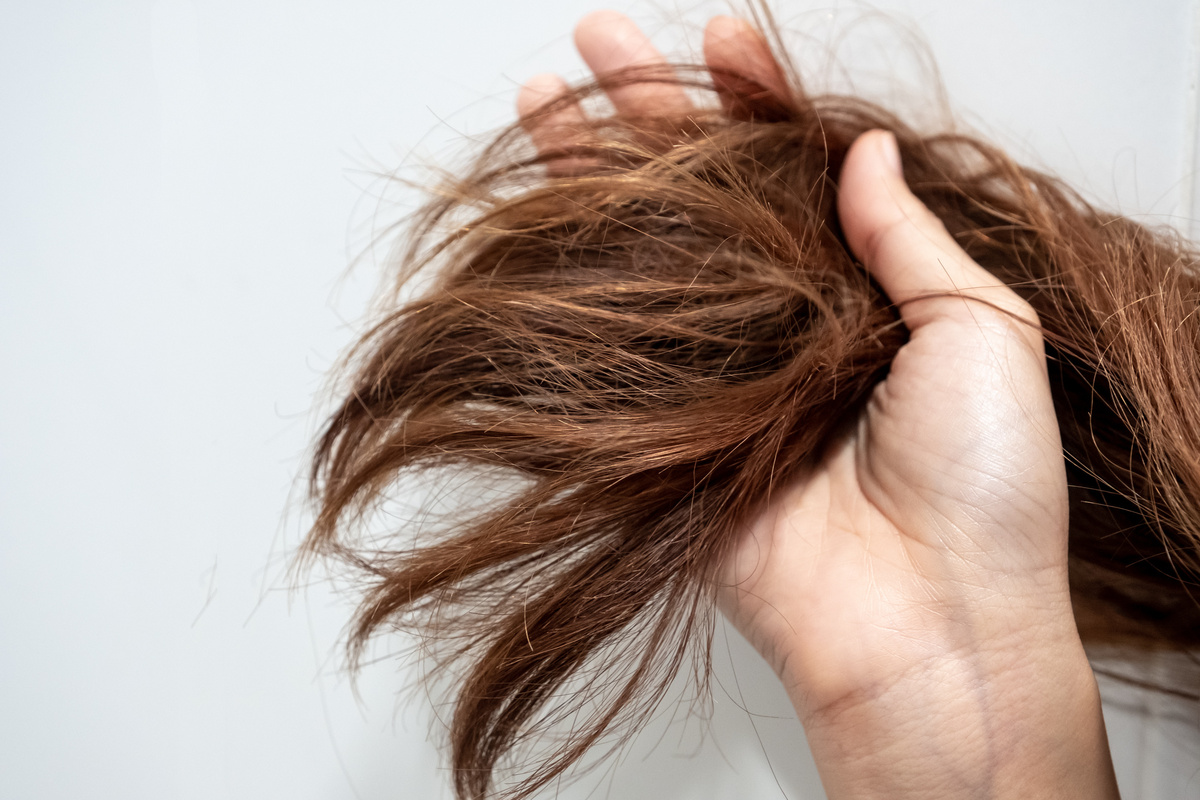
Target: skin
{"points": [[911, 592]]}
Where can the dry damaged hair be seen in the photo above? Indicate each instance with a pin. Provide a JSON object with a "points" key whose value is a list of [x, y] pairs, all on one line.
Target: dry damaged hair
{"points": [[652, 328]]}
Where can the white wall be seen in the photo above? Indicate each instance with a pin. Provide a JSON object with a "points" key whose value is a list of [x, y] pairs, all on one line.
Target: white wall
{"points": [[182, 187]]}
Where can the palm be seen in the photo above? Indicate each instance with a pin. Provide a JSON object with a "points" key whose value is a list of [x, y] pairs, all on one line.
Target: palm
{"points": [[947, 494]]}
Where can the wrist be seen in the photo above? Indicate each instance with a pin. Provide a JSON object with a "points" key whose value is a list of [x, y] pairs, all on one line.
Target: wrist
{"points": [[1001, 725]]}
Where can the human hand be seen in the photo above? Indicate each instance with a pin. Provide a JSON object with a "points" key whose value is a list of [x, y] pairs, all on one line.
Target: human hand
{"points": [[911, 591]]}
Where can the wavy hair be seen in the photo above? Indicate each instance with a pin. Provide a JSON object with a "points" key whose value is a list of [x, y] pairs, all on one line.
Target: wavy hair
{"points": [[652, 328]]}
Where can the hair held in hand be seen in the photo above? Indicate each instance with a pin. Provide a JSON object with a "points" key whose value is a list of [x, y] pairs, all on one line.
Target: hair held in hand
{"points": [[657, 327]]}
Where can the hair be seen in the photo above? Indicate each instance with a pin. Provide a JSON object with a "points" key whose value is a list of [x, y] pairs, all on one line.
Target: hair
{"points": [[650, 329]]}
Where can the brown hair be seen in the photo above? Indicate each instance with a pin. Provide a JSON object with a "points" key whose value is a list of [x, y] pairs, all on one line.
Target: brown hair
{"points": [[651, 329]]}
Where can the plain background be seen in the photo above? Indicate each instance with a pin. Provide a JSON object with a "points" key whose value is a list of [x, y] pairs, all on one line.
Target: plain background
{"points": [[183, 186]]}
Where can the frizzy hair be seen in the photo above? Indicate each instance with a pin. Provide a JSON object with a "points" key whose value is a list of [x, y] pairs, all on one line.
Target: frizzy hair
{"points": [[655, 327]]}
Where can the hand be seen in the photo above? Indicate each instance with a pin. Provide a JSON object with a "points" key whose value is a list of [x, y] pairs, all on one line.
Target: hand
{"points": [[911, 591]]}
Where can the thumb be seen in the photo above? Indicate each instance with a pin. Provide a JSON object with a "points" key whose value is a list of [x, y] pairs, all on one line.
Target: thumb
{"points": [[908, 251]]}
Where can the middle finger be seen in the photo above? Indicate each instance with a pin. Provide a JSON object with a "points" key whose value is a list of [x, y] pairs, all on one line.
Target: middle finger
{"points": [[610, 42]]}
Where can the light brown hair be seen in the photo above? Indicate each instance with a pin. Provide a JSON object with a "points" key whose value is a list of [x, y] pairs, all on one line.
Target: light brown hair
{"points": [[652, 329]]}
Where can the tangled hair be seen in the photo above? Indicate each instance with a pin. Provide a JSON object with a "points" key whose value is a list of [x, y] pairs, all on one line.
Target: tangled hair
{"points": [[652, 328]]}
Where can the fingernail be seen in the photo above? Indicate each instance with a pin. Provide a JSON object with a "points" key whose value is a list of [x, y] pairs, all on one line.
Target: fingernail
{"points": [[891, 153]]}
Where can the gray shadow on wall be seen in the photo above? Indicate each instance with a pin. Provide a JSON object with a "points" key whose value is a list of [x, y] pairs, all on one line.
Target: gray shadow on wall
{"points": [[744, 742]]}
